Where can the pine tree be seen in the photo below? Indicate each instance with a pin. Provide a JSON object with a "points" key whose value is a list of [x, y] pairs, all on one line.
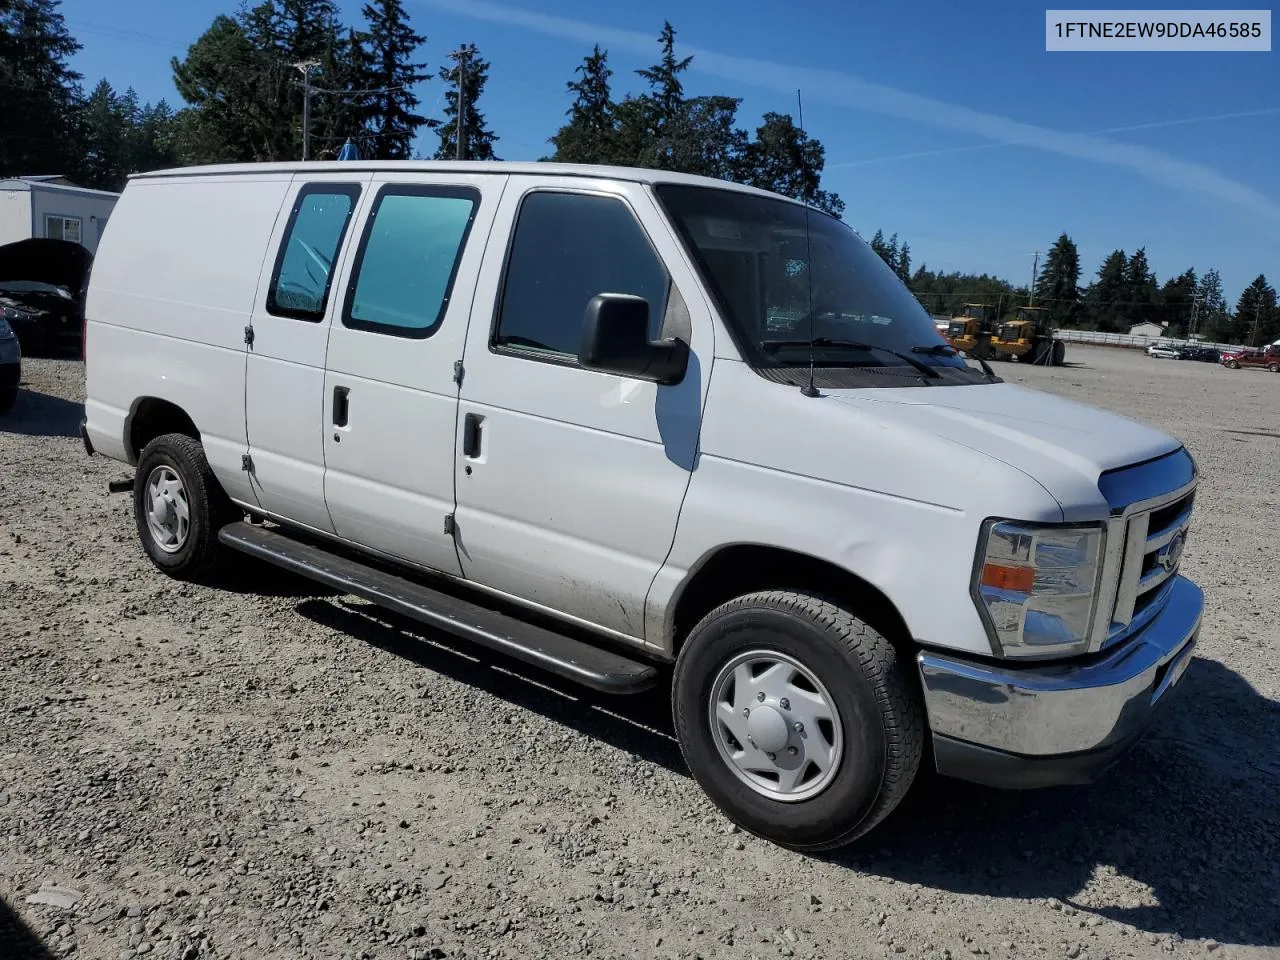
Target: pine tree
{"points": [[904, 263], [666, 90], [1213, 317], [1107, 294], [477, 139], [588, 137], [38, 90], [105, 125], [784, 159], [1141, 291], [1256, 312], [390, 46], [1058, 285]]}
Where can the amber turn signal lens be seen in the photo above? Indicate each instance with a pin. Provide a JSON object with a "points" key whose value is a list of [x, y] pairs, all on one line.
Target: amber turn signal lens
{"points": [[1001, 577]]}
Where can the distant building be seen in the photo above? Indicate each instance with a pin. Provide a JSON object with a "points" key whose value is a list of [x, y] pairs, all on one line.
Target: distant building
{"points": [[1147, 329], [52, 206]]}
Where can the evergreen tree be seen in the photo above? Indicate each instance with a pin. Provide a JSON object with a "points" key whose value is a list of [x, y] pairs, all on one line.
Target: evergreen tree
{"points": [[784, 159], [1256, 313], [477, 139], [1058, 285], [1107, 294], [38, 90], [904, 262], [1176, 301], [1141, 291], [879, 246], [105, 128], [1213, 318], [588, 137], [666, 90], [389, 46]]}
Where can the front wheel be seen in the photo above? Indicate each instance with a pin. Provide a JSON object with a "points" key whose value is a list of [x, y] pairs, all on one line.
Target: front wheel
{"points": [[1274, 367], [1232, 365], [8, 398], [798, 719], [179, 506]]}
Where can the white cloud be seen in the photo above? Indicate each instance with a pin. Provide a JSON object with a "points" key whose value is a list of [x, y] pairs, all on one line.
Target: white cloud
{"points": [[843, 89]]}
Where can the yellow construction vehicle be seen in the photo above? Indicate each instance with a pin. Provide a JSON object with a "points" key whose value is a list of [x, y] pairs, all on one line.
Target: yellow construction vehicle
{"points": [[971, 332], [1028, 335]]}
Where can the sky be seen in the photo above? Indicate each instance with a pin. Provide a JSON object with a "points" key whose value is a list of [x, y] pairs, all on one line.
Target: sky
{"points": [[948, 124]]}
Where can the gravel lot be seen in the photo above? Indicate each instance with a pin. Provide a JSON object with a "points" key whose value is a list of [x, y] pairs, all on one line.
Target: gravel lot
{"points": [[261, 769]]}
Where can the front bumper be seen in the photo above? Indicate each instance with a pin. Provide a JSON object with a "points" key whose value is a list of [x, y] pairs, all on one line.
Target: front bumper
{"points": [[1006, 725]]}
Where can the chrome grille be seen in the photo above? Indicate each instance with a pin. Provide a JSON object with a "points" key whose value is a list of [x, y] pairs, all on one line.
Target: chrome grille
{"points": [[1149, 535]]}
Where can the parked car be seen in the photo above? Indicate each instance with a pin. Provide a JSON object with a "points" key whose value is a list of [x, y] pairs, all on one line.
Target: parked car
{"points": [[42, 288], [1162, 351], [10, 366], [482, 395], [1201, 353], [1265, 359]]}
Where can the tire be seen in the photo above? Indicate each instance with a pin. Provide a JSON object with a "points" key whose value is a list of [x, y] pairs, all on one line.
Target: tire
{"points": [[1274, 367], [1232, 365], [175, 465], [1059, 353], [7, 399], [875, 721]]}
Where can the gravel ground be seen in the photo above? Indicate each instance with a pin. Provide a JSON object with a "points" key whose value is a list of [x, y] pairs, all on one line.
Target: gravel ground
{"points": [[261, 769]]}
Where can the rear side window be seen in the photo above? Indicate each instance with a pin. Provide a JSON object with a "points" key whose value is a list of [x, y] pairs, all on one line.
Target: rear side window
{"points": [[567, 249], [304, 266], [408, 258]]}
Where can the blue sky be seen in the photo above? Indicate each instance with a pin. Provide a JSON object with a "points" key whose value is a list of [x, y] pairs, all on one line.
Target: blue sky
{"points": [[946, 123]]}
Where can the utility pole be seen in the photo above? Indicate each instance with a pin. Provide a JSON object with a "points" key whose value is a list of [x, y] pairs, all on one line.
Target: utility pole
{"points": [[1257, 312], [460, 55], [1035, 270], [304, 67], [1195, 312]]}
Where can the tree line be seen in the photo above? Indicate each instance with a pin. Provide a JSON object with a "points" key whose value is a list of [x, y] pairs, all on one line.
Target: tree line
{"points": [[1124, 292], [245, 80]]}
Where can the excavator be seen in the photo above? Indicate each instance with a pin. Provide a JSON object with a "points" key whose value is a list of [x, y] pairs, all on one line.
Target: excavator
{"points": [[1029, 337], [971, 332]]}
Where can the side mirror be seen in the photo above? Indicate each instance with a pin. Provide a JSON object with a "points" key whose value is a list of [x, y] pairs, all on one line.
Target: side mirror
{"points": [[615, 339]]}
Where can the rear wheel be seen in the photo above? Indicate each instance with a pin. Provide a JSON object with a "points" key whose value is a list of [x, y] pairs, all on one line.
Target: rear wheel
{"points": [[1274, 367], [8, 397], [797, 718], [179, 506], [1232, 365], [1059, 353]]}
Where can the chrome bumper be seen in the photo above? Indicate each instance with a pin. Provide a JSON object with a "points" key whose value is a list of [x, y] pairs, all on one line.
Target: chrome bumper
{"points": [[1039, 725]]}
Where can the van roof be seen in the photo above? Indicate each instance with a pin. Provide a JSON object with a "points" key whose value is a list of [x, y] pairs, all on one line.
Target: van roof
{"points": [[510, 168]]}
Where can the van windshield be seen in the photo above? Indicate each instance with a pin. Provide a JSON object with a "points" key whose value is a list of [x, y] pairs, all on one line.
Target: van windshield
{"points": [[779, 289]]}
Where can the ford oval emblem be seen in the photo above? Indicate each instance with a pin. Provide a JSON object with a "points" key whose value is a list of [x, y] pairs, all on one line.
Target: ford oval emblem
{"points": [[1168, 557]]}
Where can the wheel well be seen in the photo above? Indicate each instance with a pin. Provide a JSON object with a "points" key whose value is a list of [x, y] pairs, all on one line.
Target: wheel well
{"points": [[737, 570], [154, 417]]}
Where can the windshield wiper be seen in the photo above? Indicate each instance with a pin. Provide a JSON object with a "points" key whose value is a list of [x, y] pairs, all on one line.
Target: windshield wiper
{"points": [[947, 350], [771, 346]]}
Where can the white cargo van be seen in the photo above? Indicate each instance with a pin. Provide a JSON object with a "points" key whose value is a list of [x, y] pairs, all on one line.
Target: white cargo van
{"points": [[622, 424]]}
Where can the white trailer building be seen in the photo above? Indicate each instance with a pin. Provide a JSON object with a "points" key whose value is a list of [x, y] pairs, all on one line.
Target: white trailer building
{"points": [[53, 207]]}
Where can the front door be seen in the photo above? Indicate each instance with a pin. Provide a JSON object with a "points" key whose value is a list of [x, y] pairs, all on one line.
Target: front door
{"points": [[284, 374], [570, 481], [391, 392]]}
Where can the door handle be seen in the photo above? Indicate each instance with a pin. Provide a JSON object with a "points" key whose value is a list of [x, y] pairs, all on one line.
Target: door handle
{"points": [[471, 435], [340, 406]]}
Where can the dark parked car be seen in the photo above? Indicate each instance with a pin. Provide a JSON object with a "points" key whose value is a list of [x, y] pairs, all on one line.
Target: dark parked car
{"points": [[10, 366], [1203, 354], [42, 287]]}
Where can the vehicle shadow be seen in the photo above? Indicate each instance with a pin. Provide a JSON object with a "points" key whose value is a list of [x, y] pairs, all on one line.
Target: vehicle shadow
{"points": [[249, 575], [638, 723], [17, 940], [41, 415], [1189, 814]]}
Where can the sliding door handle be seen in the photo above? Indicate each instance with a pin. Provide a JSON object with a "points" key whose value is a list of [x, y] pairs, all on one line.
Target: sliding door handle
{"points": [[341, 407], [471, 435]]}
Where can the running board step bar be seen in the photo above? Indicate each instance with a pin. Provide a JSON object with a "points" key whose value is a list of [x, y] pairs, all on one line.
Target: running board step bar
{"points": [[573, 659]]}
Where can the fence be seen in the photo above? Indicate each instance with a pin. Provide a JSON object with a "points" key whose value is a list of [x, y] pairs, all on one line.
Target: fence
{"points": [[1127, 340]]}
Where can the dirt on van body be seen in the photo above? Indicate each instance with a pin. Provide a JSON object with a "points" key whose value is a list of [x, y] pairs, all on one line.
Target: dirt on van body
{"points": [[260, 769]]}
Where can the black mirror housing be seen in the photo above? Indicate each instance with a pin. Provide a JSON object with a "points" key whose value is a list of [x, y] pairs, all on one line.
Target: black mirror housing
{"points": [[615, 339]]}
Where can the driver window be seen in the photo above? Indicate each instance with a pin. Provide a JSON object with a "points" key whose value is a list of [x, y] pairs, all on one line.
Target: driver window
{"points": [[568, 248]]}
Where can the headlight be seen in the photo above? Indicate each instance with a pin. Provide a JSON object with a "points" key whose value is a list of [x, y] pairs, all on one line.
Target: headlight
{"points": [[1036, 586]]}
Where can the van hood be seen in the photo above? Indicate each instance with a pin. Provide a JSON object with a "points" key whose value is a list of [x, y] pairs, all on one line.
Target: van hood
{"points": [[1062, 444]]}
